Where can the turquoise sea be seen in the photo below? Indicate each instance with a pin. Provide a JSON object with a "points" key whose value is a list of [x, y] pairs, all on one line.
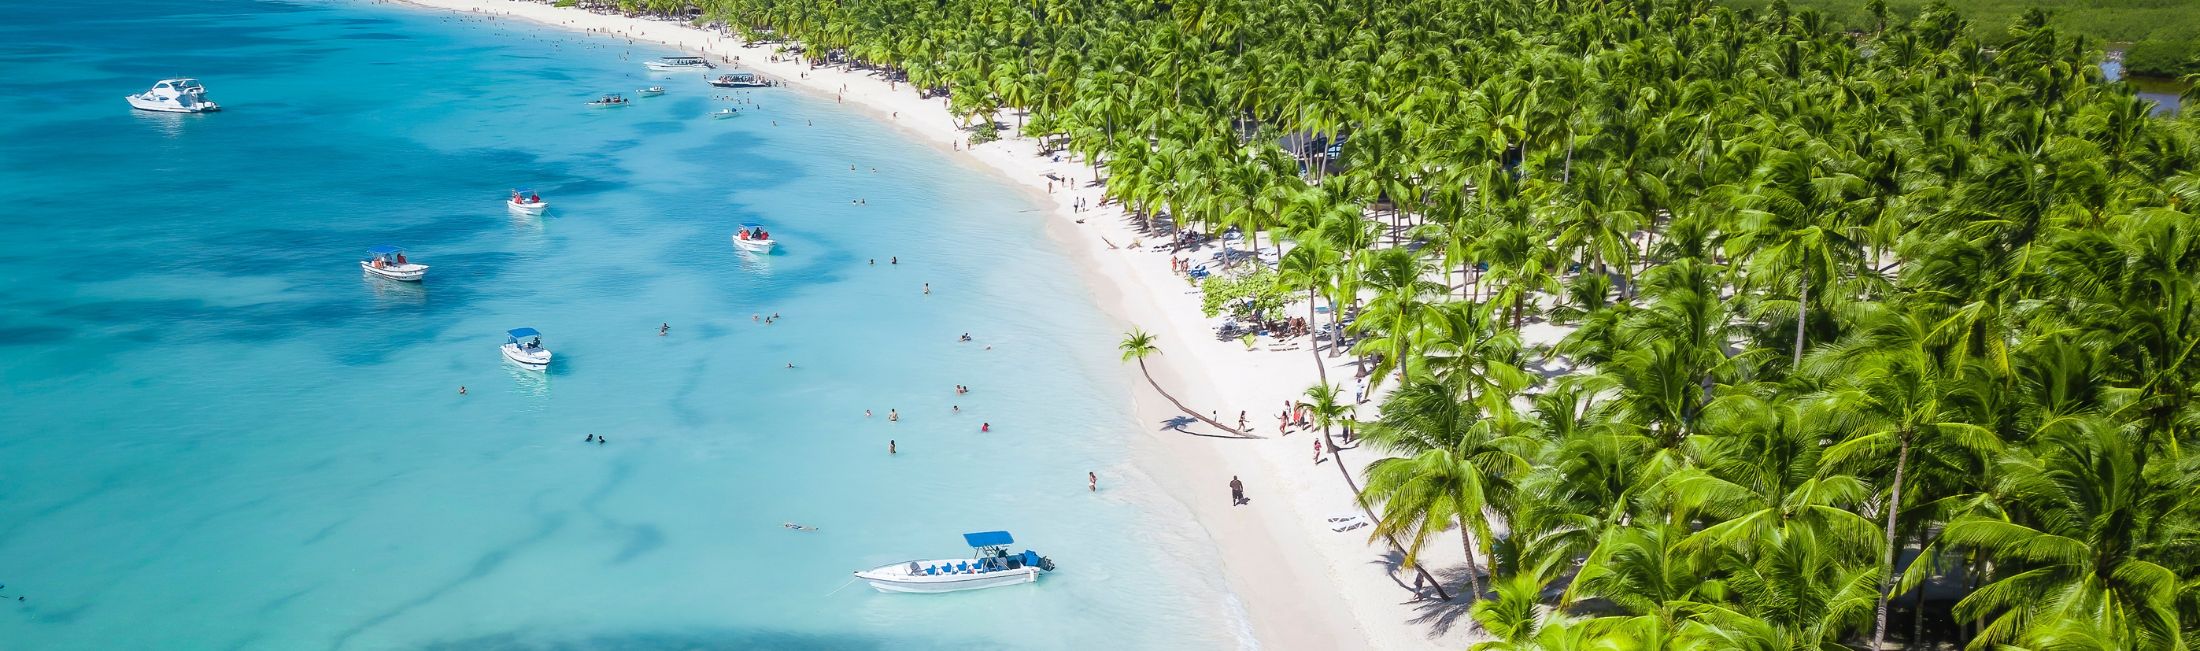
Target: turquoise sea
{"points": [[217, 433]]}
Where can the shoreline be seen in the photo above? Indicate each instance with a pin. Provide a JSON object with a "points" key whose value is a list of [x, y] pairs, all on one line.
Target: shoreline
{"points": [[1299, 584]]}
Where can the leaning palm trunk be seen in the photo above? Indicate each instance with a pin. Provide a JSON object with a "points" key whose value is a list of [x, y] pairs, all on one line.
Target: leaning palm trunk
{"points": [[1187, 410], [1802, 314], [1886, 558], [1474, 569], [1314, 337]]}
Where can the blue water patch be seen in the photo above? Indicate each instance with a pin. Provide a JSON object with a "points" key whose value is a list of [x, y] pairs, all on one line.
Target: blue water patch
{"points": [[222, 434]]}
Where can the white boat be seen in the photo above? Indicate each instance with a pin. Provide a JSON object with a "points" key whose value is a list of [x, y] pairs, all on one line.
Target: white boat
{"points": [[738, 80], [526, 202], [389, 262], [174, 96], [753, 237], [991, 567], [525, 348], [675, 64], [651, 91], [609, 101], [726, 113]]}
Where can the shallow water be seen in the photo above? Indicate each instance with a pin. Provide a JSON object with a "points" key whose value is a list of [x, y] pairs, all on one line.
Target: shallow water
{"points": [[218, 434]]}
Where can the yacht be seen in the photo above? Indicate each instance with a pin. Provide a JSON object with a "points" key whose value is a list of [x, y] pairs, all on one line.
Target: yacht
{"points": [[389, 262], [174, 96], [738, 80], [991, 567], [525, 348], [675, 64]]}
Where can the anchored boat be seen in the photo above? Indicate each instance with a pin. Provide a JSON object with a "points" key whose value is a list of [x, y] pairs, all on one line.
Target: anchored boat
{"points": [[525, 348], [609, 101], [738, 80], [526, 202], [675, 64], [174, 96], [753, 238], [389, 262], [993, 566]]}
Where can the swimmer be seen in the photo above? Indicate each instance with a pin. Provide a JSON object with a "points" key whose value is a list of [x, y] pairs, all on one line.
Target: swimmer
{"points": [[890, 446], [663, 328], [874, 262], [866, 413], [591, 439], [928, 289], [966, 336], [958, 408], [893, 415], [600, 440], [462, 389], [985, 427], [1092, 481], [894, 260], [790, 364], [756, 317]]}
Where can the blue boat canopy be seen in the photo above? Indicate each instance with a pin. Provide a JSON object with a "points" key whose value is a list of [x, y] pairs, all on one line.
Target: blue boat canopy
{"points": [[988, 539], [527, 332], [386, 249]]}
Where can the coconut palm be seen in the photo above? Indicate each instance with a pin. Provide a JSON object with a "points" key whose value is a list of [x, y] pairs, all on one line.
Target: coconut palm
{"points": [[1136, 346]]}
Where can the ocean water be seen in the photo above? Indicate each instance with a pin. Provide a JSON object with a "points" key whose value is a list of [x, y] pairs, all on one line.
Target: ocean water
{"points": [[217, 433]]}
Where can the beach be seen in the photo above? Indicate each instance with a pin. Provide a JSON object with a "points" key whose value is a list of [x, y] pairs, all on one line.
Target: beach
{"points": [[1302, 584]]}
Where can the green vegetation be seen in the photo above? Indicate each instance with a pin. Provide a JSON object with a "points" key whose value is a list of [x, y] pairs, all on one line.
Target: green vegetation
{"points": [[2163, 35], [1836, 297]]}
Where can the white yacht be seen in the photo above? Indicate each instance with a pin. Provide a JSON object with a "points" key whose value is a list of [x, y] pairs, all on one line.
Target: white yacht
{"points": [[675, 64], [389, 262], [992, 567], [738, 80], [525, 348], [174, 96]]}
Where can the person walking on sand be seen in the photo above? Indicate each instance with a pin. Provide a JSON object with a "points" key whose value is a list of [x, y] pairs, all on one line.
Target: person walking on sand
{"points": [[1237, 491], [1241, 420], [1317, 451]]}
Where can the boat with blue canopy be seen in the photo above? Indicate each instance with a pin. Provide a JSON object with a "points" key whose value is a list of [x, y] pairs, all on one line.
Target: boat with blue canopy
{"points": [[992, 566], [525, 348], [753, 238], [526, 202], [388, 261]]}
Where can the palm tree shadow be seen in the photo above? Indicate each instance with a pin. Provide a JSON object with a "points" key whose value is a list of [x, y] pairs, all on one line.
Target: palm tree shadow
{"points": [[1437, 614], [1441, 616], [1182, 424]]}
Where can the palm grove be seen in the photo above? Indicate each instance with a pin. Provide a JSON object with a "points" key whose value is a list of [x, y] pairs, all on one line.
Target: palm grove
{"points": [[1838, 300]]}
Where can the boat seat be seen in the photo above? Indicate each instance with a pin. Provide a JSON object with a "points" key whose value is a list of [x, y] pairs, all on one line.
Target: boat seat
{"points": [[932, 569], [962, 567]]}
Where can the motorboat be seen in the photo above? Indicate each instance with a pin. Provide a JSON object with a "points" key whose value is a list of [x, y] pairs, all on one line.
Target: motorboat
{"points": [[389, 262], [676, 64], [174, 96], [728, 112], [525, 348], [526, 202], [991, 567], [651, 91], [753, 237], [738, 80], [609, 101]]}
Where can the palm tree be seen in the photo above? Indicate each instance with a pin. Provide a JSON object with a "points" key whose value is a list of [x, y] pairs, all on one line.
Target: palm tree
{"points": [[1460, 466], [1136, 345], [1322, 404]]}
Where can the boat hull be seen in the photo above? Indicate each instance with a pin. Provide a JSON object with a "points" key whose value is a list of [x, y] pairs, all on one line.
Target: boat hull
{"points": [[536, 360], [159, 106], [666, 67], [754, 246], [527, 208], [895, 578], [405, 272]]}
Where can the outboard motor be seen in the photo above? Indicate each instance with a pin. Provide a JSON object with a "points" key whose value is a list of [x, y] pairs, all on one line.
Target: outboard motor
{"points": [[1033, 559]]}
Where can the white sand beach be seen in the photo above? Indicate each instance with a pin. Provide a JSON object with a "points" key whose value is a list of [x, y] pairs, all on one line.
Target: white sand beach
{"points": [[1303, 585]]}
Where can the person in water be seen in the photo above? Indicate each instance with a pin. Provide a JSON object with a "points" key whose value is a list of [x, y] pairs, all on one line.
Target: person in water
{"points": [[1092, 481], [893, 415], [890, 446], [462, 389], [663, 328], [591, 439], [985, 427]]}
